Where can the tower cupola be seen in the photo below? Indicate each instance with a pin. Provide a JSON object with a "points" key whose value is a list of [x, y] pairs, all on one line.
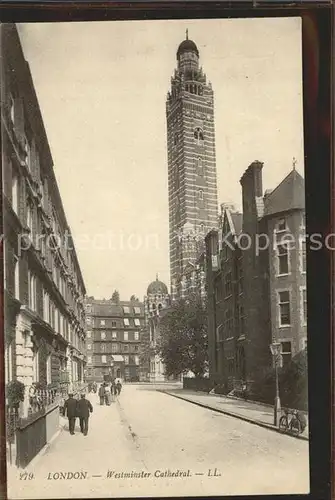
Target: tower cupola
{"points": [[188, 55]]}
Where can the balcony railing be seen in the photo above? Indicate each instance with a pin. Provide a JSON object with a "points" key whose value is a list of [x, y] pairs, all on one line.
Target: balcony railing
{"points": [[41, 399]]}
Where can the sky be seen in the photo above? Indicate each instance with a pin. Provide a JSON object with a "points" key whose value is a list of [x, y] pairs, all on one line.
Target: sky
{"points": [[102, 90]]}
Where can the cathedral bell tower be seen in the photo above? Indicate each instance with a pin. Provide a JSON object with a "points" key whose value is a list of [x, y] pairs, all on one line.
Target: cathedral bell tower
{"points": [[193, 205]]}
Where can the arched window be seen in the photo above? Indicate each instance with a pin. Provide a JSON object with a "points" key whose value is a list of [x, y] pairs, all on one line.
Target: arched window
{"points": [[198, 135], [175, 138], [201, 194], [202, 228], [199, 162]]}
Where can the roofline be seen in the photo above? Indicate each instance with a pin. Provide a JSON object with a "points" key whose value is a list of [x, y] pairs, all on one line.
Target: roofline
{"points": [[39, 123], [290, 172], [109, 302]]}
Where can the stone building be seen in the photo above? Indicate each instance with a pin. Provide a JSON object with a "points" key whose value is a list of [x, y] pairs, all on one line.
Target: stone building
{"points": [[113, 339], [256, 280], [156, 302], [44, 288], [192, 180], [284, 213]]}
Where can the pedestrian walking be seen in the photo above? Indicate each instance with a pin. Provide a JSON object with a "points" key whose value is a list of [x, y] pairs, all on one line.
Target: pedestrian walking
{"points": [[70, 410], [102, 394], [108, 395], [113, 389], [118, 386], [84, 409]]}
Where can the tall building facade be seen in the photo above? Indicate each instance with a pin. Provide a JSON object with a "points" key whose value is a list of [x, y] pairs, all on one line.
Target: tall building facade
{"points": [[192, 183], [113, 339], [44, 315], [259, 297]]}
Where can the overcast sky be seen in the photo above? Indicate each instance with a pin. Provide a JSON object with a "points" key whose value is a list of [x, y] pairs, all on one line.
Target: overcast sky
{"points": [[102, 89]]}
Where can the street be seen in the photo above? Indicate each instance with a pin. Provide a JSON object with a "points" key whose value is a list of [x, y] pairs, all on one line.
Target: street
{"points": [[154, 435]]}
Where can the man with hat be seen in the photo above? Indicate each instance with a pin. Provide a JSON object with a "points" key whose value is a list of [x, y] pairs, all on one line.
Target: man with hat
{"points": [[84, 409], [70, 410]]}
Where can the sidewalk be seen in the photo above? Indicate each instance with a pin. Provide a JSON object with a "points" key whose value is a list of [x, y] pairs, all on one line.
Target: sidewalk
{"points": [[108, 445], [254, 413]]}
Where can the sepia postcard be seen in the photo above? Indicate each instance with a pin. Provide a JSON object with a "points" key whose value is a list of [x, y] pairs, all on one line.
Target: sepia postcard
{"points": [[154, 250]]}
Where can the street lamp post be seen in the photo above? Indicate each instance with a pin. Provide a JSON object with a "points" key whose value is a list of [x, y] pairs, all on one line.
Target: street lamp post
{"points": [[275, 348]]}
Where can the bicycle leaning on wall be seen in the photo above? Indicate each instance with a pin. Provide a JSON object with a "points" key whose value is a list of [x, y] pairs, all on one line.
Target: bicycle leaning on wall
{"points": [[292, 421]]}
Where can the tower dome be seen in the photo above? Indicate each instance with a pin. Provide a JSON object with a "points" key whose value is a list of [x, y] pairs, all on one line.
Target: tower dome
{"points": [[157, 287], [187, 46]]}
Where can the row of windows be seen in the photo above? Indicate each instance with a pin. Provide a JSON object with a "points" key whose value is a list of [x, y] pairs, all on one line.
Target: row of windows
{"points": [[194, 89], [112, 347], [126, 309], [74, 368], [282, 267], [51, 314], [128, 360], [114, 324], [280, 227], [236, 363], [45, 246], [29, 209], [114, 335], [284, 313]]}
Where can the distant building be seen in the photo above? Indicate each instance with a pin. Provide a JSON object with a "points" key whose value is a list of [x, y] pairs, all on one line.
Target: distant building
{"points": [[156, 302], [44, 316], [257, 297], [113, 339], [192, 181]]}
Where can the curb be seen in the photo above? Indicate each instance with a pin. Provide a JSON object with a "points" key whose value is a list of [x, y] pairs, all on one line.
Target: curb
{"points": [[235, 415]]}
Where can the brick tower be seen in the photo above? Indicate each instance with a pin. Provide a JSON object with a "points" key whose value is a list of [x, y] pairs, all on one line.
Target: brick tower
{"points": [[193, 206]]}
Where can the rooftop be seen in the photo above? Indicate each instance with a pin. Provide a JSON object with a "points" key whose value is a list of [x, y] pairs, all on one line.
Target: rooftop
{"points": [[288, 195]]}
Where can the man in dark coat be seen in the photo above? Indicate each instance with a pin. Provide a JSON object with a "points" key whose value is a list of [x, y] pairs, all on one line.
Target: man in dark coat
{"points": [[70, 410], [84, 409], [102, 394]]}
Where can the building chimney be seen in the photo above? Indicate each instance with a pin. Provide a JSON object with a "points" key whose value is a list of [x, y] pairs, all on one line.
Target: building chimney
{"points": [[251, 180]]}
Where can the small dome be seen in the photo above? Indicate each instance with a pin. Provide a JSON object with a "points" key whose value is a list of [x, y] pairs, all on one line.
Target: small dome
{"points": [[187, 46], [157, 287]]}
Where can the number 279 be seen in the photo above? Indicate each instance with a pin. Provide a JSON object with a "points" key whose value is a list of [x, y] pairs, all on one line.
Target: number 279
{"points": [[25, 476]]}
